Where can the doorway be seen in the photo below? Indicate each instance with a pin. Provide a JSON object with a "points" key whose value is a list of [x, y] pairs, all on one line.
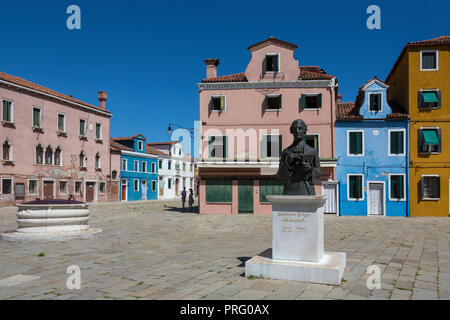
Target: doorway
{"points": [[124, 190], [245, 196], [330, 190], [375, 199], [49, 188], [90, 191], [144, 190], [161, 187], [177, 184]]}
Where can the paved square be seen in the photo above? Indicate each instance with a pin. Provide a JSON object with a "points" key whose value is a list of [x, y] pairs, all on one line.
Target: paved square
{"points": [[154, 250]]}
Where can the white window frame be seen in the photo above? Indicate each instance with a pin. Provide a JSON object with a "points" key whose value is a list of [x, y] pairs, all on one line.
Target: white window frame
{"points": [[140, 145], [28, 187], [421, 187], [144, 164], [40, 117], [12, 111], [153, 166], [57, 122], [430, 90], [437, 60], [136, 165], [219, 96], [404, 187], [368, 101], [101, 131], [362, 186], [348, 143], [60, 157], [278, 58], [75, 187], [134, 185], [273, 95], [440, 142], [67, 187], [311, 94], [12, 185], [85, 127], [126, 165], [404, 142], [314, 134], [99, 189]]}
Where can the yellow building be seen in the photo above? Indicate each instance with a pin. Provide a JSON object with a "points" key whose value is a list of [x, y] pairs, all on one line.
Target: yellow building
{"points": [[420, 81]]}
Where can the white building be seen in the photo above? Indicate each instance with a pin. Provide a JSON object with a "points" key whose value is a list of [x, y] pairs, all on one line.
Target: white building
{"points": [[175, 170]]}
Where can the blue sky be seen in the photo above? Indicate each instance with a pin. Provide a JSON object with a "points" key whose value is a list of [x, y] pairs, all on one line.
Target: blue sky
{"points": [[149, 55]]}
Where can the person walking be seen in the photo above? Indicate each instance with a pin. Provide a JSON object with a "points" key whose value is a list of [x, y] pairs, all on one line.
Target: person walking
{"points": [[191, 199], [183, 196]]}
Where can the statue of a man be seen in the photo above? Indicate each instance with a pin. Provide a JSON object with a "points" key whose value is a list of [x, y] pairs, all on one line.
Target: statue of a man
{"points": [[299, 163]]}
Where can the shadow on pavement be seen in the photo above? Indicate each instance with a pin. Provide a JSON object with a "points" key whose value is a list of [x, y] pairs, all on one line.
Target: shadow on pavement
{"points": [[179, 209]]}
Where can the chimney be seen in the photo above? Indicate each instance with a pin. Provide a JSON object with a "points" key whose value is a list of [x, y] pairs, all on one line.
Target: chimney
{"points": [[102, 97], [339, 98], [211, 68]]}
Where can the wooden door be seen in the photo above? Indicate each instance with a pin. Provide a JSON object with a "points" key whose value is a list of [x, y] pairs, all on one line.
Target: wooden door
{"points": [[90, 191], [48, 189], [124, 190], [177, 184], [245, 196]]}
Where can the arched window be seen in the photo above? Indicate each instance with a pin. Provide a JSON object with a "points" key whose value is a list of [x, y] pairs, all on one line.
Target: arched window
{"points": [[7, 151], [98, 163], [82, 159], [39, 154], [48, 155], [114, 174], [57, 156]]}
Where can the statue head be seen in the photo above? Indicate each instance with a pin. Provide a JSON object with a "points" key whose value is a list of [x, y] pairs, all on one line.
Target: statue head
{"points": [[298, 129]]}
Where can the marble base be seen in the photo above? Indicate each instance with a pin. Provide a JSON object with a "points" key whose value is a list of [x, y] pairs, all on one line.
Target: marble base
{"points": [[49, 236], [329, 270]]}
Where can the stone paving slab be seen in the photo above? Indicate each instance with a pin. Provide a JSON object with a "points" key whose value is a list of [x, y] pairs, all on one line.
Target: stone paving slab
{"points": [[156, 250]]}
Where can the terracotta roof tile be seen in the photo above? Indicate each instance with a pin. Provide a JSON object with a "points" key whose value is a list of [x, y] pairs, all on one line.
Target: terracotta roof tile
{"points": [[237, 77], [116, 146], [347, 111], [34, 86]]}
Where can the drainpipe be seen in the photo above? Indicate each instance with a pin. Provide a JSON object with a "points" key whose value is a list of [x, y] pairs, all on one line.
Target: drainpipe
{"points": [[408, 205]]}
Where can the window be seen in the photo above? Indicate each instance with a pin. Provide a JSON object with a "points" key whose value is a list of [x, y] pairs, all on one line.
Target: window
{"points": [[37, 115], [136, 165], [124, 164], [32, 186], [78, 187], [312, 140], [355, 143], [7, 151], [7, 111], [218, 146], [6, 186], [272, 102], [177, 166], [114, 174], [184, 166], [271, 146], [375, 102], [153, 167], [61, 122], [429, 99], [429, 140], [160, 164], [269, 187], [184, 182], [63, 187], [98, 131], [218, 190], [102, 187], [169, 183], [140, 145], [48, 155], [82, 128], [271, 62], [431, 187], [397, 142], [39, 154], [217, 103], [82, 159], [57, 157], [144, 166], [98, 163], [311, 101], [355, 187], [397, 187], [429, 60], [153, 185], [169, 165]]}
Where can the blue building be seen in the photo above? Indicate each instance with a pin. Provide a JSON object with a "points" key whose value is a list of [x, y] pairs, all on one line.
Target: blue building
{"points": [[138, 169], [372, 150]]}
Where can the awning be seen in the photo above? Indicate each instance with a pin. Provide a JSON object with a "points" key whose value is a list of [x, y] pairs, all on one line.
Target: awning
{"points": [[430, 137], [430, 96]]}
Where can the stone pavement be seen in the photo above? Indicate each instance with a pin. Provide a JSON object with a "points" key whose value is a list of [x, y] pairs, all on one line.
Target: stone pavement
{"points": [[154, 250]]}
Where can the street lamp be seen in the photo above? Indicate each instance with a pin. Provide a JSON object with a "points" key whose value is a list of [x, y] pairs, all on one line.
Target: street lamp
{"points": [[169, 129]]}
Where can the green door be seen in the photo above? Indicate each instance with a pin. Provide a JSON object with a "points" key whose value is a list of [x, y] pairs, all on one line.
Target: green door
{"points": [[245, 195]]}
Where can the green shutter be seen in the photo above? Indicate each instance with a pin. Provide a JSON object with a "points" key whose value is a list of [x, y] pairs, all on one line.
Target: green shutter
{"points": [[319, 101], [359, 187], [280, 145], [36, 118], [430, 137], [394, 142], [225, 147], [358, 142], [222, 103], [218, 191], [269, 187], [316, 142], [266, 103], [281, 102], [352, 187], [303, 101], [401, 187], [400, 142], [378, 102], [430, 96]]}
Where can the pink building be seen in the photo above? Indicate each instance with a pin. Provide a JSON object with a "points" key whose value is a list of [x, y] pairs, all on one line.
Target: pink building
{"points": [[53, 145], [245, 120]]}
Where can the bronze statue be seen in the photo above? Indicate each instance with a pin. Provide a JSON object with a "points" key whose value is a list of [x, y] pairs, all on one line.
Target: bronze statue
{"points": [[299, 163]]}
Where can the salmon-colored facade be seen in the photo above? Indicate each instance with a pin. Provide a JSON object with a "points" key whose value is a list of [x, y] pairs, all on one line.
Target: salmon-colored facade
{"points": [[246, 107]]}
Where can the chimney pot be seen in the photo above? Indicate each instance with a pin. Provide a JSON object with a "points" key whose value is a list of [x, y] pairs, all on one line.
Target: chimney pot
{"points": [[211, 68], [102, 97]]}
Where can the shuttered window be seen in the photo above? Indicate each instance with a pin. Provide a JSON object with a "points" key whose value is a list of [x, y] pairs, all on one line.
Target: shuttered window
{"points": [[429, 99], [431, 187], [397, 183], [397, 142], [36, 117], [429, 140], [375, 102], [271, 146], [311, 101], [355, 142], [218, 191], [7, 110], [355, 189], [269, 187], [217, 103]]}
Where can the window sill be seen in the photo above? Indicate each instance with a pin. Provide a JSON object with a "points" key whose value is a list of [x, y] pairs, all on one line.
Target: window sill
{"points": [[276, 110], [83, 138], [426, 109], [431, 199], [311, 109], [219, 111], [39, 130], [428, 153], [99, 141], [8, 124], [61, 134], [8, 163]]}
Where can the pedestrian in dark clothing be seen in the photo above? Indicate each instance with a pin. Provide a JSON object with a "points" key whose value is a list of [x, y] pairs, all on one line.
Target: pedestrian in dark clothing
{"points": [[183, 196], [191, 199]]}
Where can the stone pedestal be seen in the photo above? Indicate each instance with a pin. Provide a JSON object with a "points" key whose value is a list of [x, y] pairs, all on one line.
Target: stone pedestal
{"points": [[298, 244]]}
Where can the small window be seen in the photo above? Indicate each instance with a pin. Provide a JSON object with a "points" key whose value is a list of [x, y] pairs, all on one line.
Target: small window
{"points": [[396, 143], [32, 187], [429, 99], [169, 165], [37, 117], [153, 185], [355, 142], [136, 185], [153, 167], [7, 111], [57, 157], [311, 101], [98, 163], [82, 128], [98, 131], [63, 187], [375, 102], [429, 60], [140, 146], [397, 185], [114, 174], [61, 122], [272, 146], [78, 187], [82, 159], [49, 155], [102, 187], [39, 154], [429, 140], [431, 187], [184, 166], [160, 164], [355, 187], [169, 183], [217, 103], [273, 102], [136, 165], [312, 140], [144, 166], [7, 151], [271, 62], [218, 147], [124, 164], [6, 186]]}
